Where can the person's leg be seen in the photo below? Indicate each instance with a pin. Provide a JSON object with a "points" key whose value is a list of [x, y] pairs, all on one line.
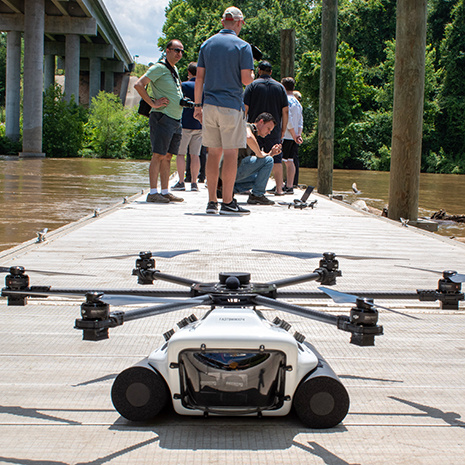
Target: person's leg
{"points": [[212, 170], [195, 167], [154, 170], [165, 164], [181, 166], [195, 146], [246, 174], [228, 174], [278, 177], [264, 167], [290, 173]]}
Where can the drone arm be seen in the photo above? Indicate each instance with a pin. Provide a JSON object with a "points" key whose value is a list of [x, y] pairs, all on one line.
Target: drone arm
{"points": [[150, 275], [296, 280], [362, 334], [296, 310], [165, 308]]}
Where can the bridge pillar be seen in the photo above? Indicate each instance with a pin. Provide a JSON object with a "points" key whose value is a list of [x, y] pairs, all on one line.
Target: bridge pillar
{"points": [[49, 71], [95, 77], [13, 85], [34, 20], [72, 52], [109, 81]]}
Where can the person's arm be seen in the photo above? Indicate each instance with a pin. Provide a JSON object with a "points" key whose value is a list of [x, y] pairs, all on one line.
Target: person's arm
{"points": [[246, 110], [247, 76], [253, 145], [284, 120], [198, 92], [140, 88]]}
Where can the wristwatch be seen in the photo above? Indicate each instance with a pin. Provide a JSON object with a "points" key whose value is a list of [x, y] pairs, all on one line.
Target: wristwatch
{"points": [[197, 105]]}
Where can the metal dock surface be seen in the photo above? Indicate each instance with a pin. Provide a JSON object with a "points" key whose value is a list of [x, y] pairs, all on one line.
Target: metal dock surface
{"points": [[407, 392]]}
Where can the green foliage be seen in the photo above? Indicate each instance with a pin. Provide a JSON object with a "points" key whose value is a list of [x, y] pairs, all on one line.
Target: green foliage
{"points": [[139, 69], [361, 21], [8, 146], [450, 123], [107, 128], [138, 138], [63, 124]]}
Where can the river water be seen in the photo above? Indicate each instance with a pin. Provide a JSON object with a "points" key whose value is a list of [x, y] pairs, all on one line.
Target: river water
{"points": [[49, 193]]}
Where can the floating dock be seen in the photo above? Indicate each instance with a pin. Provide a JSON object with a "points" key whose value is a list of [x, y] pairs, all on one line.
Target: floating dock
{"points": [[407, 393]]}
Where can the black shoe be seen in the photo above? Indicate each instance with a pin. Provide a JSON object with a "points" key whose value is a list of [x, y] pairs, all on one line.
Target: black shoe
{"points": [[232, 208], [272, 190], [288, 190], [259, 200], [212, 208], [179, 186]]}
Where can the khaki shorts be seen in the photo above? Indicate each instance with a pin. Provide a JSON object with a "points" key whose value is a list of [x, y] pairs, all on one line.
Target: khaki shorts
{"points": [[192, 139], [223, 127]]}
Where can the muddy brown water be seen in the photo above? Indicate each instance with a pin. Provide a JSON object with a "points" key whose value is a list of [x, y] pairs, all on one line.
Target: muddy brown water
{"points": [[49, 193]]}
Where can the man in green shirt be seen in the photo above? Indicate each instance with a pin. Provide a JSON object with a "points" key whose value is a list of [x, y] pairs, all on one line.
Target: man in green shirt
{"points": [[164, 119]]}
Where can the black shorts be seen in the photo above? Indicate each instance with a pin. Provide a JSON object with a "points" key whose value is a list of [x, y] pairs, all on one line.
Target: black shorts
{"points": [[165, 133], [290, 149]]}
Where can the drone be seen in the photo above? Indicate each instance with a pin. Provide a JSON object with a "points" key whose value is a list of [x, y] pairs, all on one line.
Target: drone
{"points": [[233, 360], [302, 202]]}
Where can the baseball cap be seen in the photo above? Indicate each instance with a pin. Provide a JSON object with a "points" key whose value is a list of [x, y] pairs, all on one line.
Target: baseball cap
{"points": [[233, 14]]}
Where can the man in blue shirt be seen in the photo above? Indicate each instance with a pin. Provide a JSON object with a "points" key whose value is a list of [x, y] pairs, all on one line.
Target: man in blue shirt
{"points": [[191, 136], [225, 64]]}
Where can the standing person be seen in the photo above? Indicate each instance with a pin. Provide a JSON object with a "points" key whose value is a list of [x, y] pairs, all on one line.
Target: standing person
{"points": [[298, 96], [164, 119], [293, 134], [225, 64], [268, 95], [191, 136]]}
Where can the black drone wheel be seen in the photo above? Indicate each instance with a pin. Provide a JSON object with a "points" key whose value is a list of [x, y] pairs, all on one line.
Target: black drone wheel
{"points": [[321, 402], [139, 393]]}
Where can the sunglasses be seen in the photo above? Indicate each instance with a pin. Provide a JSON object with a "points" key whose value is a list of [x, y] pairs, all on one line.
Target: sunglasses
{"points": [[177, 50]]}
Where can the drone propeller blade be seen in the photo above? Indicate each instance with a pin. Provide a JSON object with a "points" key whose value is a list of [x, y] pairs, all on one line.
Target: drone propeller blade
{"points": [[339, 297], [112, 299], [308, 255], [343, 298], [455, 278], [134, 299], [302, 255], [6, 269], [161, 254]]}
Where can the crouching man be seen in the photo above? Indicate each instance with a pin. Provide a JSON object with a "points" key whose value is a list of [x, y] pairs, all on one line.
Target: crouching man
{"points": [[254, 165]]}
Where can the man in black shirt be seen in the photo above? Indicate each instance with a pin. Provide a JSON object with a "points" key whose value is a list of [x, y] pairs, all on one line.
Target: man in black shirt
{"points": [[268, 95]]}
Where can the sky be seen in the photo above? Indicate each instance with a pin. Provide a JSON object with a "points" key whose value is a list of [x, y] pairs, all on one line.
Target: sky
{"points": [[139, 23]]}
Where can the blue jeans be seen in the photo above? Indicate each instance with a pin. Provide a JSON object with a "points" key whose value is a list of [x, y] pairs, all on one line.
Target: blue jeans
{"points": [[253, 173]]}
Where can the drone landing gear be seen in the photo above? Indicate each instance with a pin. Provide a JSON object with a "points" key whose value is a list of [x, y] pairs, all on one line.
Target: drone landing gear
{"points": [[321, 402], [139, 393]]}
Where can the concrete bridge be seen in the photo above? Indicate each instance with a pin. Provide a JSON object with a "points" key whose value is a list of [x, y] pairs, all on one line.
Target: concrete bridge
{"points": [[77, 36]]}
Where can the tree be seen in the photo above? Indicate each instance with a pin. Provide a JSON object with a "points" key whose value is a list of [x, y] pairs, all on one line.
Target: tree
{"points": [[450, 123], [63, 124], [107, 127]]}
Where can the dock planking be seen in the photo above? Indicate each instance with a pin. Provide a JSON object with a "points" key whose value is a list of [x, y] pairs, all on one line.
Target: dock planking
{"points": [[407, 392]]}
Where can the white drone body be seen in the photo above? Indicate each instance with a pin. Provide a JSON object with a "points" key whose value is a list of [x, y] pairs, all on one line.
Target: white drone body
{"points": [[233, 362]]}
